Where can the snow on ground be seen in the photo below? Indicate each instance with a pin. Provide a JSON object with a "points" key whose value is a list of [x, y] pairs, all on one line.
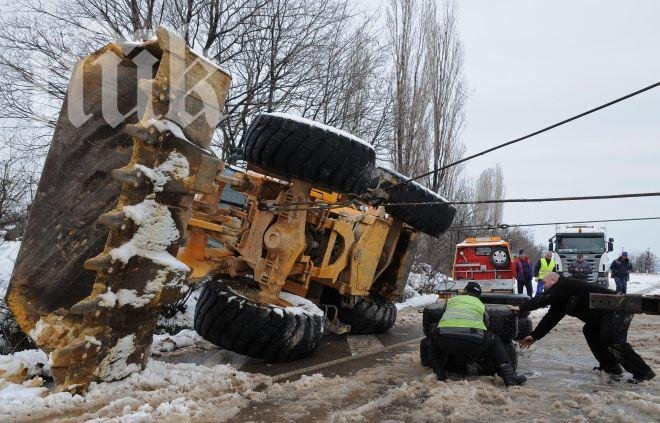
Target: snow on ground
{"points": [[8, 253], [641, 283], [162, 392], [561, 387]]}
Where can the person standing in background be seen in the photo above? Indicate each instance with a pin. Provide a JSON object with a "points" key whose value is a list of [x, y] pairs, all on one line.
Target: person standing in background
{"points": [[544, 266], [580, 269], [621, 269], [524, 273]]}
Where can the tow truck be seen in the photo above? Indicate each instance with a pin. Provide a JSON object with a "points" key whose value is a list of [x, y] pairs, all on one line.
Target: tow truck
{"points": [[487, 261]]}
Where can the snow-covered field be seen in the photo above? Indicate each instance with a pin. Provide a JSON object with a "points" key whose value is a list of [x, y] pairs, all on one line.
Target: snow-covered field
{"points": [[561, 387]]}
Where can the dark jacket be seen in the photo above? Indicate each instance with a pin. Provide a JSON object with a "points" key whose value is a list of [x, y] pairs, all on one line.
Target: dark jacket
{"points": [[538, 267], [524, 270], [621, 269], [585, 266], [568, 296]]}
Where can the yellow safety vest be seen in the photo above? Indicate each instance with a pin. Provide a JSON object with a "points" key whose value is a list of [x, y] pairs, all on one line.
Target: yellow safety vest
{"points": [[463, 311], [546, 267]]}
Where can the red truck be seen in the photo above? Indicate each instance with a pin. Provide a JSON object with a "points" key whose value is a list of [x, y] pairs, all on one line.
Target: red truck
{"points": [[486, 260]]}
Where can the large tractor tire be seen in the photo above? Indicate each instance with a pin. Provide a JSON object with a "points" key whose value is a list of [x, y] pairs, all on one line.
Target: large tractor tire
{"points": [[368, 315], [309, 151], [502, 321], [231, 321], [433, 215]]}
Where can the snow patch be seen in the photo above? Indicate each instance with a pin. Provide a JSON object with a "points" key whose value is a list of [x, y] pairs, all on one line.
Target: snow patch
{"points": [[418, 301], [320, 126], [176, 167], [300, 305], [130, 297], [114, 365], [166, 343], [156, 232], [108, 299], [8, 253]]}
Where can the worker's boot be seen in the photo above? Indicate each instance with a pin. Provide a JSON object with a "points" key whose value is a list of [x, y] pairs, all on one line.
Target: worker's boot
{"points": [[614, 373], [509, 376], [441, 374], [641, 378]]}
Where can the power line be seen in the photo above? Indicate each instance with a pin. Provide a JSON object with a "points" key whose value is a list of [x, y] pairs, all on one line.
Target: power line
{"points": [[535, 200], [524, 137], [324, 205], [507, 226]]}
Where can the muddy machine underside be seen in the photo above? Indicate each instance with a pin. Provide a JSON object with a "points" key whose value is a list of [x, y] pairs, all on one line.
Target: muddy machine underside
{"points": [[130, 213]]}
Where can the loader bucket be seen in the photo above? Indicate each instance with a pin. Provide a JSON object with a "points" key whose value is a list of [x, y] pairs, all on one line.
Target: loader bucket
{"points": [[98, 257]]}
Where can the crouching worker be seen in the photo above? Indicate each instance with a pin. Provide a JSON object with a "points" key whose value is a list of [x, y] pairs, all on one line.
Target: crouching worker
{"points": [[462, 331], [606, 332]]}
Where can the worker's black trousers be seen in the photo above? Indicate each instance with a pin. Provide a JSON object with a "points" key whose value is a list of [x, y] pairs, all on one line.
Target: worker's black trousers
{"points": [[469, 343], [528, 286], [608, 340]]}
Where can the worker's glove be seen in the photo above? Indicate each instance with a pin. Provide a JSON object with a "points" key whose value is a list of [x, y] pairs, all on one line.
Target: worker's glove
{"points": [[513, 308]]}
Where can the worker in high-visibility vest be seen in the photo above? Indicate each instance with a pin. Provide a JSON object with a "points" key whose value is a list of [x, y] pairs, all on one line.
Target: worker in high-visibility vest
{"points": [[462, 331], [544, 266]]}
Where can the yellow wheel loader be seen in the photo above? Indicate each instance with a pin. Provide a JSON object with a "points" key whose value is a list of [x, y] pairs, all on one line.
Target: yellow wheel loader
{"points": [[133, 208]]}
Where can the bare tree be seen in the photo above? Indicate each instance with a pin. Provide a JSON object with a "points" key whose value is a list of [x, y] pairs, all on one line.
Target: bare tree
{"points": [[489, 186], [281, 54], [443, 69], [411, 100], [645, 262]]}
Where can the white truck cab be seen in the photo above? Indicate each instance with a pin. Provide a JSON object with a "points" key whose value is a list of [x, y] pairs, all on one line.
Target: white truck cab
{"points": [[569, 241]]}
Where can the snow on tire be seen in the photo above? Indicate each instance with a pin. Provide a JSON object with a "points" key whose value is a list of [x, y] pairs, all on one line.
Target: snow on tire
{"points": [[229, 320], [368, 315], [433, 218], [303, 149]]}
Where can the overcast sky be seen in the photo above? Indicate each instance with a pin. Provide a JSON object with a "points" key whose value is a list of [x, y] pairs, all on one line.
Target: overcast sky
{"points": [[529, 64]]}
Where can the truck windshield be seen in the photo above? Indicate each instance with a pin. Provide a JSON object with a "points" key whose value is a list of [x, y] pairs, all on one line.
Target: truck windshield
{"points": [[593, 245]]}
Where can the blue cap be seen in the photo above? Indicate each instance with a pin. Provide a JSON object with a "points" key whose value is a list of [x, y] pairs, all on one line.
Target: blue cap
{"points": [[624, 254]]}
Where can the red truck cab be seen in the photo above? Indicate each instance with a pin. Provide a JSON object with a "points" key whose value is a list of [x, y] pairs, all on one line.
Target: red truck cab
{"points": [[486, 260]]}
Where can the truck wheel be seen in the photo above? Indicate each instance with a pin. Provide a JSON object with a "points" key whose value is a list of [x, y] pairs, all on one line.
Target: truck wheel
{"points": [[502, 322], [431, 316], [510, 299], [499, 257], [432, 218], [425, 352], [230, 320], [309, 151], [368, 315], [525, 327]]}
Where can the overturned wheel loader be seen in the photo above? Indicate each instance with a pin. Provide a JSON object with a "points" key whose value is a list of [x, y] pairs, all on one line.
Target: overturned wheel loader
{"points": [[133, 208]]}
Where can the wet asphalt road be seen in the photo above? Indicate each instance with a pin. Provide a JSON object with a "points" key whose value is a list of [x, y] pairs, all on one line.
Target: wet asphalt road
{"points": [[333, 348]]}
